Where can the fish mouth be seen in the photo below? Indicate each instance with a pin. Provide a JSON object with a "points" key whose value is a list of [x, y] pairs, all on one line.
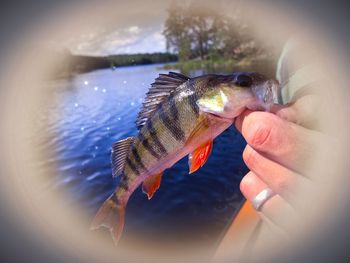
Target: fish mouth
{"points": [[222, 118]]}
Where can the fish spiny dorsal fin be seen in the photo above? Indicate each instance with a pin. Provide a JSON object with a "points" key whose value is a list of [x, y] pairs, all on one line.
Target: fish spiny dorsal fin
{"points": [[120, 151], [163, 86]]}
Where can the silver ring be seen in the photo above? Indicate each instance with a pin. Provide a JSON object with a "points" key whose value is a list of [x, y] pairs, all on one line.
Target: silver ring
{"points": [[261, 198]]}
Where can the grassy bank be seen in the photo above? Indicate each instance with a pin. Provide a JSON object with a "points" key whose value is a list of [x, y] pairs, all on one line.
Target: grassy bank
{"points": [[261, 64]]}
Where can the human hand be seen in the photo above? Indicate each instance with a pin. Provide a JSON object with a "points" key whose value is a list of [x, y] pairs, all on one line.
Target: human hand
{"points": [[277, 152]]}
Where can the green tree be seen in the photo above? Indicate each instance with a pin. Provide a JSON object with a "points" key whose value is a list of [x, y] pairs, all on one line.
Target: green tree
{"points": [[200, 31], [176, 33], [192, 30], [201, 26], [185, 50]]}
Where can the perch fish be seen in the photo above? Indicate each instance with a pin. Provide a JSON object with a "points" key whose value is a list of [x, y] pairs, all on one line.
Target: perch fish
{"points": [[180, 116]]}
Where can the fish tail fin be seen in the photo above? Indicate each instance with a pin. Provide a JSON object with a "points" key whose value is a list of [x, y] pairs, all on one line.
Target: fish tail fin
{"points": [[110, 215]]}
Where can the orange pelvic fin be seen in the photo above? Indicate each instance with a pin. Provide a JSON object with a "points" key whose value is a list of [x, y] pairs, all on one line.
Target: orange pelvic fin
{"points": [[151, 184], [110, 215], [198, 158]]}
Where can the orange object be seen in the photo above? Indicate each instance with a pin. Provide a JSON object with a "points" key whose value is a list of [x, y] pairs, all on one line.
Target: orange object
{"points": [[151, 185], [240, 234], [198, 158], [245, 217]]}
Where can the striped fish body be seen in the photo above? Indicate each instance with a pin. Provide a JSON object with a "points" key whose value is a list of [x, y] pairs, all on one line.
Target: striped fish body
{"points": [[166, 136], [180, 117]]}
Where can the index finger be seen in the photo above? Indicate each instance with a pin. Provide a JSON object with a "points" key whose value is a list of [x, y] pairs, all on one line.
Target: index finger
{"points": [[284, 142]]}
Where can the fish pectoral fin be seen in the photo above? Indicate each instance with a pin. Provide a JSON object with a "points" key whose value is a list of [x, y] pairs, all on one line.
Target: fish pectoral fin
{"points": [[198, 158], [151, 184], [202, 125]]}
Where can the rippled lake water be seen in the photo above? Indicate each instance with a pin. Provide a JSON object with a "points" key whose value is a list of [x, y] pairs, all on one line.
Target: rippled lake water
{"points": [[95, 109]]}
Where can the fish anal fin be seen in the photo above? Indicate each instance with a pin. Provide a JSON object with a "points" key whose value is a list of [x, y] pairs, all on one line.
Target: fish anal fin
{"points": [[111, 215], [151, 184], [198, 158], [120, 151]]}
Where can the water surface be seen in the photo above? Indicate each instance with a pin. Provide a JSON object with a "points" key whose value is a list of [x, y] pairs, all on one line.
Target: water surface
{"points": [[95, 109]]}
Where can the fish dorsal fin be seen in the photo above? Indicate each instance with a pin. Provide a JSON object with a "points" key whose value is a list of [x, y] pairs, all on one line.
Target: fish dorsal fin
{"points": [[120, 151], [163, 86]]}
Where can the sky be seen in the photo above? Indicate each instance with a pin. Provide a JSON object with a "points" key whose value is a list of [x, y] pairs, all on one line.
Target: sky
{"points": [[126, 27], [128, 40]]}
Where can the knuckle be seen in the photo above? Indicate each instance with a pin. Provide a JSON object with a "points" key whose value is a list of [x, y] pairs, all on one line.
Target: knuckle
{"points": [[249, 156], [284, 185], [262, 166], [255, 161], [261, 136]]}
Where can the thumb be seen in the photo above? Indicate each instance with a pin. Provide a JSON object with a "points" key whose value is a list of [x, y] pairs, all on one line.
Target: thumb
{"points": [[302, 112]]}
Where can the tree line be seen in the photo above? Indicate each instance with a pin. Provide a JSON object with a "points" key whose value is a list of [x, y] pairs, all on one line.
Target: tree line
{"points": [[68, 64], [195, 30]]}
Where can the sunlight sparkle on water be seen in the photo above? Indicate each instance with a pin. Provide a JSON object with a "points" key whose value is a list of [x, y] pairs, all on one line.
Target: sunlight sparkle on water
{"points": [[104, 90], [82, 128], [67, 179], [119, 118], [132, 103], [124, 81], [76, 105], [96, 88], [86, 82]]}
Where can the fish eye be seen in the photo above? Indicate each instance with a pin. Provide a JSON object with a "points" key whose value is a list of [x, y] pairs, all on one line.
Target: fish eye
{"points": [[244, 80]]}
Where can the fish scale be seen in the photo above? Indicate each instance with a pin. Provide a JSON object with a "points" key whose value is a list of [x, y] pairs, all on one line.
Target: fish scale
{"points": [[180, 116]]}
